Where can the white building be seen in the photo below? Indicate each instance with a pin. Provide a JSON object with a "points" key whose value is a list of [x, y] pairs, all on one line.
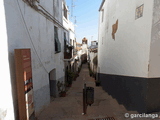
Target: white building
{"points": [[79, 53], [92, 54], [70, 27], [70, 56], [36, 25], [84, 55], [82, 52], [129, 52], [84, 45], [6, 102]]}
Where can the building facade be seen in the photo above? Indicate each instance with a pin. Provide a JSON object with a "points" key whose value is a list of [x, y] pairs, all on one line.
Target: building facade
{"points": [[92, 56], [6, 102], [128, 52], [70, 54], [79, 53], [36, 25], [84, 56]]}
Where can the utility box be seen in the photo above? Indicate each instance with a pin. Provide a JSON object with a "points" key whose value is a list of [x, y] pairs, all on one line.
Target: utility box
{"points": [[89, 95]]}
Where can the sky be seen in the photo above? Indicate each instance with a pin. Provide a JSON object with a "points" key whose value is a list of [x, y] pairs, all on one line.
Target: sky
{"points": [[87, 18]]}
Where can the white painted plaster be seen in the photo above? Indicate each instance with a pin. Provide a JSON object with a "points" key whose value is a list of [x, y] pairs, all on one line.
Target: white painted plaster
{"points": [[92, 55], [154, 61], [6, 101], [26, 28], [128, 54]]}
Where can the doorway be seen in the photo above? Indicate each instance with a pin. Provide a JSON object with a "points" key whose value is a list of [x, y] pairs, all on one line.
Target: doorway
{"points": [[53, 83]]}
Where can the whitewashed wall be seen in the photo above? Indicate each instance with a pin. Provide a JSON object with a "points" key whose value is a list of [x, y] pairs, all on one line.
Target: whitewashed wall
{"points": [[72, 32], [26, 28], [84, 49], [69, 26], [128, 54], [79, 53], [6, 101], [92, 55], [154, 66]]}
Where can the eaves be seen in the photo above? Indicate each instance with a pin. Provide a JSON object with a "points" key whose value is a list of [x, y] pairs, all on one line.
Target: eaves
{"points": [[101, 5]]}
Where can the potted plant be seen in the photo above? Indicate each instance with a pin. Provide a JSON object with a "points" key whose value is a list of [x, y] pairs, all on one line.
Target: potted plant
{"points": [[90, 73], [70, 76], [62, 94], [69, 83], [97, 82], [93, 75], [62, 88], [77, 75]]}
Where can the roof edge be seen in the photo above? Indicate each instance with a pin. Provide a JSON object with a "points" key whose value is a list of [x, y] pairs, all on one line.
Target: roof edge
{"points": [[101, 5]]}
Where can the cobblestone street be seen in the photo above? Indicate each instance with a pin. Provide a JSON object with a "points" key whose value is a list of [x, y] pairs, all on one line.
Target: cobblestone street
{"points": [[71, 106]]}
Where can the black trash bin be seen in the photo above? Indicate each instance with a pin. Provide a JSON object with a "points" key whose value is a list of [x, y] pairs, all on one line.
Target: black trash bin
{"points": [[89, 95]]}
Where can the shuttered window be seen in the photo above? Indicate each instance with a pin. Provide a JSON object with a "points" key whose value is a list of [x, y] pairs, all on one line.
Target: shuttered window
{"points": [[65, 11], [56, 40]]}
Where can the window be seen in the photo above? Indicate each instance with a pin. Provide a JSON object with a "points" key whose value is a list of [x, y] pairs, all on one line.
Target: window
{"points": [[65, 40], [71, 41], [65, 11], [102, 14], [102, 40], [56, 40]]}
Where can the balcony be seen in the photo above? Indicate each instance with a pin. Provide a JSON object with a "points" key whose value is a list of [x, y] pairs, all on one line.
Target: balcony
{"points": [[68, 52]]}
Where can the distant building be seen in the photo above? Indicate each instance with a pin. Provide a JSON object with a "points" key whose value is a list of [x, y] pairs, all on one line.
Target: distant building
{"points": [[70, 54], [84, 47], [92, 56], [85, 41], [94, 43], [79, 53], [82, 52], [129, 52]]}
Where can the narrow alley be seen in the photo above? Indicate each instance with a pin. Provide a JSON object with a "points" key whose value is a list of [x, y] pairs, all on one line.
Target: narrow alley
{"points": [[52, 48], [71, 106]]}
